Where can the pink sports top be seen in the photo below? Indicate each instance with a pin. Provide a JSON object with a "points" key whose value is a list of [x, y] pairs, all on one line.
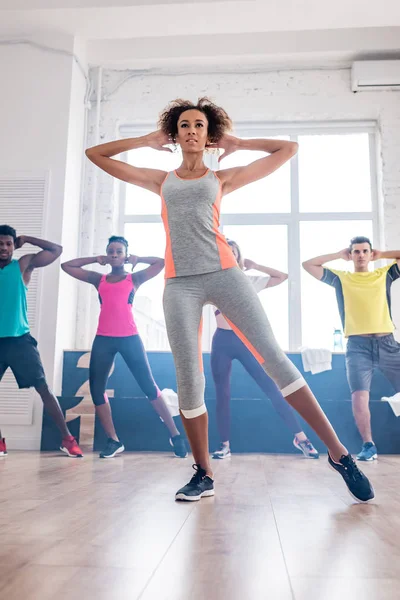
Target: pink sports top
{"points": [[116, 317]]}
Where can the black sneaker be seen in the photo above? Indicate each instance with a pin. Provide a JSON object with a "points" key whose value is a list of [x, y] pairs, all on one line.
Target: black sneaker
{"points": [[112, 448], [198, 487], [179, 446], [357, 483]]}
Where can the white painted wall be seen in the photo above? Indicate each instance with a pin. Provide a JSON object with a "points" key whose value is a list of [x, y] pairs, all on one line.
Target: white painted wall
{"points": [[287, 96], [40, 90], [71, 216]]}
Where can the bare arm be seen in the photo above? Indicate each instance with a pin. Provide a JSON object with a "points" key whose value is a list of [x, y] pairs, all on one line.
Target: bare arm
{"points": [[156, 266], [150, 179], [74, 268], [279, 152], [48, 254], [314, 266], [389, 254], [276, 277]]}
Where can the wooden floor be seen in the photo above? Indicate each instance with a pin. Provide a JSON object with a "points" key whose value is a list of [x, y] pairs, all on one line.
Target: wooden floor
{"points": [[279, 528]]}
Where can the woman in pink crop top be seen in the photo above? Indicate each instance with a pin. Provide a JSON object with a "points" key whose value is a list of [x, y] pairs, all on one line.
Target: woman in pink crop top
{"points": [[117, 332]]}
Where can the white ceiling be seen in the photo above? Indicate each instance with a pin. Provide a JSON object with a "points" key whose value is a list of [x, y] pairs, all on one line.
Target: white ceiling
{"points": [[152, 32]]}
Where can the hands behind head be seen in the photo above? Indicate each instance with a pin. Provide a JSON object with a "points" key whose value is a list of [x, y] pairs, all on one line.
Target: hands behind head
{"points": [[345, 254], [158, 140], [228, 143], [376, 254], [249, 264], [132, 260], [103, 260], [19, 242]]}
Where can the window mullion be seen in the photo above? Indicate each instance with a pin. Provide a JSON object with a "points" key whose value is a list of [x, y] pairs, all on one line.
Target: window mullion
{"points": [[294, 257]]}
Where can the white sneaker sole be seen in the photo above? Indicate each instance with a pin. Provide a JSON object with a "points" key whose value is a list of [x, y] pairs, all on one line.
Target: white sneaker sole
{"points": [[222, 457], [374, 457], [205, 494], [63, 449], [118, 451], [351, 494], [3, 453]]}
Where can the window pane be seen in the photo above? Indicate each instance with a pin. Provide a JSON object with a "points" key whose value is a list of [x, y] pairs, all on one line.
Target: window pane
{"points": [[148, 239], [320, 315], [140, 201], [269, 195], [334, 173], [267, 245]]}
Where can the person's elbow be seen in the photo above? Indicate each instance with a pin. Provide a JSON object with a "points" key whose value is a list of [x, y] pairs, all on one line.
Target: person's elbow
{"points": [[293, 148], [284, 277], [58, 250], [91, 153]]}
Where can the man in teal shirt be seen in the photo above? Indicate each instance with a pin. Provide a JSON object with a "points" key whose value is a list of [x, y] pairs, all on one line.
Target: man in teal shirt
{"points": [[18, 349]]}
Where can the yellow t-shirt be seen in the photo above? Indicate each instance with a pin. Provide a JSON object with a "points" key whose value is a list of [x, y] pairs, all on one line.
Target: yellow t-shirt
{"points": [[364, 299]]}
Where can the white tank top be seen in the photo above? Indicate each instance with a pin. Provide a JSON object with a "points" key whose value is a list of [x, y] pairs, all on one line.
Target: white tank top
{"points": [[259, 283]]}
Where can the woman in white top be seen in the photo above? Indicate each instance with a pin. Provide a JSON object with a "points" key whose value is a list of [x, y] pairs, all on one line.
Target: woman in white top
{"points": [[227, 346]]}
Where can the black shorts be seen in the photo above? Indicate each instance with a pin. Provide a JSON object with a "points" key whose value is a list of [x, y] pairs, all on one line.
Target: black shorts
{"points": [[23, 358]]}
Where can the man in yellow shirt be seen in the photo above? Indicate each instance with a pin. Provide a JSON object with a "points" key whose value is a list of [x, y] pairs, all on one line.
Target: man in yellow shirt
{"points": [[363, 299]]}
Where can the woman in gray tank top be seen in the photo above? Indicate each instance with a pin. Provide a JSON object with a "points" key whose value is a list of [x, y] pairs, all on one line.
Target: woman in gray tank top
{"points": [[200, 269]]}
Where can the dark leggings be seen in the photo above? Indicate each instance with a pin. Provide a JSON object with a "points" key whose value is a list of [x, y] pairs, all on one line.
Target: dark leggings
{"points": [[103, 353], [226, 346]]}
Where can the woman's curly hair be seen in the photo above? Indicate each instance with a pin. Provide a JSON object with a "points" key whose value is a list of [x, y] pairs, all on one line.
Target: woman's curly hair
{"points": [[218, 120]]}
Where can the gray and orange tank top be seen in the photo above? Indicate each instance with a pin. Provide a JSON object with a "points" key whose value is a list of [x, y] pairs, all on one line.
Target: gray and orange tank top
{"points": [[190, 213]]}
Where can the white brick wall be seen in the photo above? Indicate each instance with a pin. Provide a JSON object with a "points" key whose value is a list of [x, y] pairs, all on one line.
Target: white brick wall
{"points": [[294, 96]]}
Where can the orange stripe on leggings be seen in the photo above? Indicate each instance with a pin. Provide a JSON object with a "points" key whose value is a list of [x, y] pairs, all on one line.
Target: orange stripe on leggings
{"points": [[199, 344], [246, 342]]}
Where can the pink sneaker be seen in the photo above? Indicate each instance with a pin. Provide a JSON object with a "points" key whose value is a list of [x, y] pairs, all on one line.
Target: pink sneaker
{"points": [[70, 446], [3, 447]]}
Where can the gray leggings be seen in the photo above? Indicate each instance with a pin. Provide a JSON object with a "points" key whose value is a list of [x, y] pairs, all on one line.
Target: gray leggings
{"points": [[232, 293]]}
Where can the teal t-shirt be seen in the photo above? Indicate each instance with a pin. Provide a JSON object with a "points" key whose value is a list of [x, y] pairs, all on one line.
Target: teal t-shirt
{"points": [[13, 305]]}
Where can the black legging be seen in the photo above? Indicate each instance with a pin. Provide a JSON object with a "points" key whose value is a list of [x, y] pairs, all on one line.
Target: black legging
{"points": [[226, 346], [102, 357]]}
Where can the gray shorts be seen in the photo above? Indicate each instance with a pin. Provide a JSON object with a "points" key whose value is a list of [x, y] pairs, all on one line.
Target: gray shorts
{"points": [[364, 354]]}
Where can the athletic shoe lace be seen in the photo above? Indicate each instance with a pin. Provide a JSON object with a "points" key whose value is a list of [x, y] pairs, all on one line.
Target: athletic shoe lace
{"points": [[199, 474], [353, 472], [309, 445]]}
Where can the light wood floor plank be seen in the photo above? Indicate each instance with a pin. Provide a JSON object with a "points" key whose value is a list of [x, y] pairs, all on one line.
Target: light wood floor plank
{"points": [[279, 527]]}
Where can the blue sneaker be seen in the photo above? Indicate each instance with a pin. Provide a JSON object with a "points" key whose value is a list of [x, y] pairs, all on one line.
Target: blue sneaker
{"points": [[368, 452], [179, 446]]}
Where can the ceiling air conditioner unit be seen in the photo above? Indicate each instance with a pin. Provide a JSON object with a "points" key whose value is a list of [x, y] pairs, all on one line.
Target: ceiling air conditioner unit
{"points": [[375, 75]]}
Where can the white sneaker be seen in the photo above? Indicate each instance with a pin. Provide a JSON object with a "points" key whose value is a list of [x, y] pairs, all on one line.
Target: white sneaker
{"points": [[223, 452], [306, 447]]}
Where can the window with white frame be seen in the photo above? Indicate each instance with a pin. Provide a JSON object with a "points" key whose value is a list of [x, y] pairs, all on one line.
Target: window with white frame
{"points": [[312, 205]]}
